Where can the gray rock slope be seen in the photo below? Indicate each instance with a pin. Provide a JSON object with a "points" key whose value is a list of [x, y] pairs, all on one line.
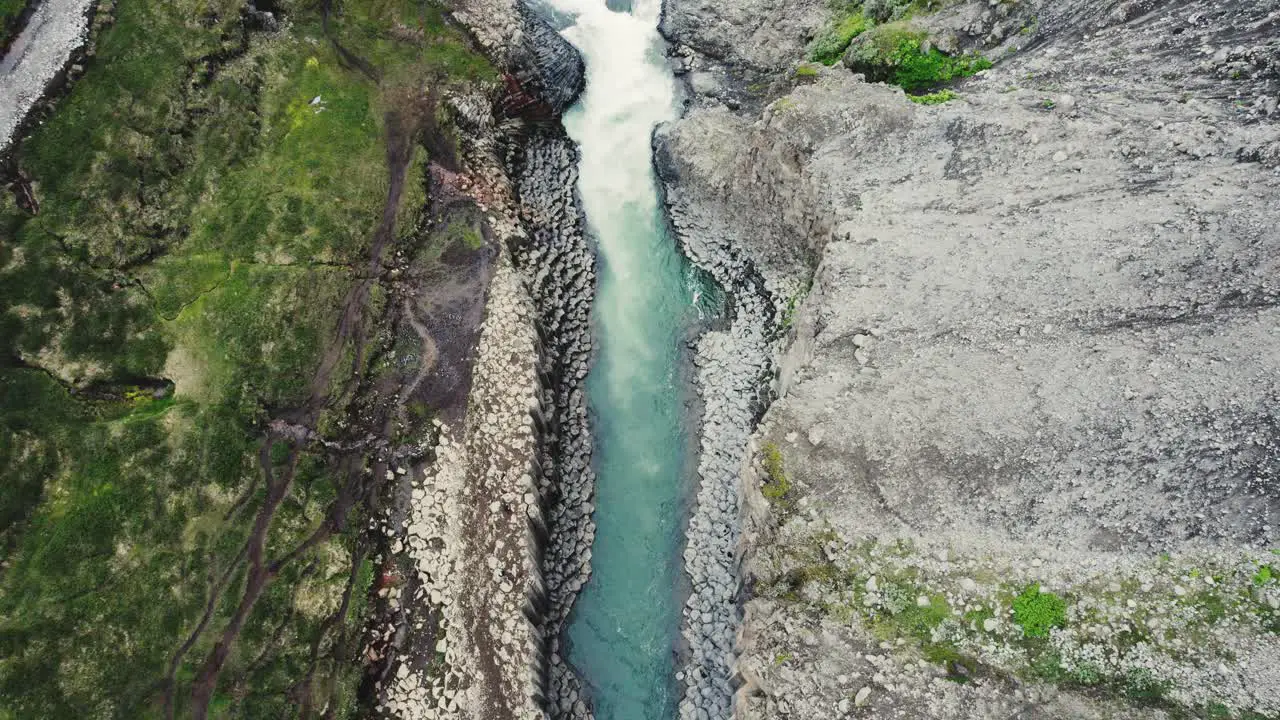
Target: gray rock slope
{"points": [[1035, 344]]}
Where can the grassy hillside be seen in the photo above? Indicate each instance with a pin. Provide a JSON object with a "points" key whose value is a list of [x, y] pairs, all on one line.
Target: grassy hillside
{"points": [[208, 198]]}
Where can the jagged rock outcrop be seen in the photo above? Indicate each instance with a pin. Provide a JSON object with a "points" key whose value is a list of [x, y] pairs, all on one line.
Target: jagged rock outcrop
{"points": [[1038, 352], [757, 34], [547, 66]]}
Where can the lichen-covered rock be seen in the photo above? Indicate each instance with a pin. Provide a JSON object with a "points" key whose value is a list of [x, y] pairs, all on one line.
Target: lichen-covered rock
{"points": [[1033, 340], [761, 34]]}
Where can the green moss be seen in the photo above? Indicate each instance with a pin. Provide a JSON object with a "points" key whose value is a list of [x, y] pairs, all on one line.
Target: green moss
{"points": [[806, 71], [829, 46], [935, 98], [777, 487], [1038, 612], [894, 53], [1265, 575]]}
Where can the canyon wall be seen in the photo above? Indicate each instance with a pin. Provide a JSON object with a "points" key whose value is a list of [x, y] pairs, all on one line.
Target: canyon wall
{"points": [[1025, 359]]}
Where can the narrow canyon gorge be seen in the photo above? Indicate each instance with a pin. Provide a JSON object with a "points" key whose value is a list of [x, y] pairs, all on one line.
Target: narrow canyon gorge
{"points": [[640, 359]]}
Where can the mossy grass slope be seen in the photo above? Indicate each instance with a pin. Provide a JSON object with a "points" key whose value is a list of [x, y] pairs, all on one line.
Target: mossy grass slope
{"points": [[10, 12], [208, 196]]}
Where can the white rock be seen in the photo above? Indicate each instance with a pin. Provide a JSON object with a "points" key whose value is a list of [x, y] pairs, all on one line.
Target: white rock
{"points": [[862, 697], [816, 434]]}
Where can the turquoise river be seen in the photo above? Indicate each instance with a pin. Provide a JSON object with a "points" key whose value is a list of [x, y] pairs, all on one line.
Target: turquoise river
{"points": [[626, 623]]}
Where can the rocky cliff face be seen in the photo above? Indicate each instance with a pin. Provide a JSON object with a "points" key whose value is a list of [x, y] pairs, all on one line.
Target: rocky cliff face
{"points": [[1023, 458]]}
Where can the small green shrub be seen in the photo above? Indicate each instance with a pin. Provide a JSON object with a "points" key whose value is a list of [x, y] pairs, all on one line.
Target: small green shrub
{"points": [[1037, 612], [1264, 575], [784, 105], [1086, 674], [806, 71], [1217, 711], [936, 98], [793, 305], [829, 47], [1047, 666], [1141, 685]]}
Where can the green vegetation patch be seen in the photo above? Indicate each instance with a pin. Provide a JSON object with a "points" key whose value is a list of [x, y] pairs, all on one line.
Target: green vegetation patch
{"points": [[934, 98], [829, 46], [208, 198], [971, 622], [1037, 612], [10, 11], [254, 341], [777, 486], [410, 38], [1265, 576], [897, 53], [323, 162]]}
